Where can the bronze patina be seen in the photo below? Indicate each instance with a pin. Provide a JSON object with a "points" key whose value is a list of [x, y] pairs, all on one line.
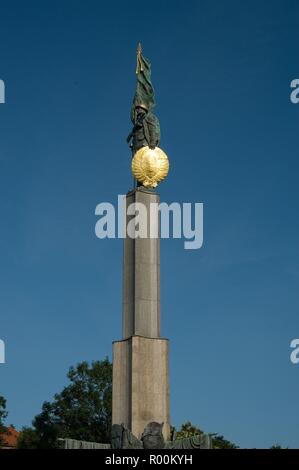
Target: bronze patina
{"points": [[150, 164]]}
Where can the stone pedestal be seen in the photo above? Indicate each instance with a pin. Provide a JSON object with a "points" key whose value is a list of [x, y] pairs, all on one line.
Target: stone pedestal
{"points": [[140, 361], [140, 384]]}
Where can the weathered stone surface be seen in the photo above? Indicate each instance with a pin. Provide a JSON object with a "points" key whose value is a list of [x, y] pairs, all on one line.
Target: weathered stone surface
{"points": [[75, 444], [152, 436], [140, 384], [122, 438], [201, 441], [141, 274], [140, 361]]}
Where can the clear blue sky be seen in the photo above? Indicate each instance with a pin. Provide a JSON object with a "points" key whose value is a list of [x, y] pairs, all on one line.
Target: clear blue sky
{"points": [[221, 72]]}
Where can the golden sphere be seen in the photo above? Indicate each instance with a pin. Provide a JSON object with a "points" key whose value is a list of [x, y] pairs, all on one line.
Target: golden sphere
{"points": [[150, 166]]}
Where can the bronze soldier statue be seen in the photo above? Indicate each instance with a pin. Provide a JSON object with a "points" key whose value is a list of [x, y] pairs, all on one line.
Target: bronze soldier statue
{"points": [[146, 126], [146, 130]]}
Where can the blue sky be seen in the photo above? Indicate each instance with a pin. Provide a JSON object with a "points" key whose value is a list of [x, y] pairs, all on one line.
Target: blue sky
{"points": [[222, 73]]}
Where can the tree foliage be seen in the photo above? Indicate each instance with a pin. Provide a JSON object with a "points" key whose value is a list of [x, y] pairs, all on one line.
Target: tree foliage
{"points": [[3, 412], [220, 443], [81, 411], [278, 446], [3, 415], [28, 439], [188, 430]]}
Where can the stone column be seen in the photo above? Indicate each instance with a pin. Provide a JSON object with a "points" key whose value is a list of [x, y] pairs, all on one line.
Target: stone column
{"points": [[140, 360], [141, 271]]}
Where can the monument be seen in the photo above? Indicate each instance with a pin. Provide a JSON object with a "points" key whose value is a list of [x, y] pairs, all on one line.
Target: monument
{"points": [[140, 393], [140, 384]]}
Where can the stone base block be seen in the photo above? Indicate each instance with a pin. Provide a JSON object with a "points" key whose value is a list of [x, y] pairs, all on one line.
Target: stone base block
{"points": [[140, 384]]}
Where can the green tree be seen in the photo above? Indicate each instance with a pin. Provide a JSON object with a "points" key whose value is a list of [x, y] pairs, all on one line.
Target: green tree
{"points": [[278, 446], [81, 411], [3, 415], [28, 439], [220, 443], [188, 429]]}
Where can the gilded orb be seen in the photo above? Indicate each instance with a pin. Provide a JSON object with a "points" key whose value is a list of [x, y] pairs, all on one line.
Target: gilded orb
{"points": [[150, 166]]}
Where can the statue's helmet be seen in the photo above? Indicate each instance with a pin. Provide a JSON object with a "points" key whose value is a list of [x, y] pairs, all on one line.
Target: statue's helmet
{"points": [[138, 104], [142, 105]]}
